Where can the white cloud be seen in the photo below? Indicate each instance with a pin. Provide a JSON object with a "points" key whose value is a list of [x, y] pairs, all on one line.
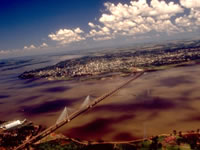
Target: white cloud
{"points": [[195, 15], [162, 8], [26, 49], [91, 25], [190, 3], [11, 52], [183, 21], [190, 22], [66, 36], [78, 30], [2, 52], [43, 45], [138, 18], [29, 47]]}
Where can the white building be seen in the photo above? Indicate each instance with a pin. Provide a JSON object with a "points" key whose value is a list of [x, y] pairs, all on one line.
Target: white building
{"points": [[12, 124]]}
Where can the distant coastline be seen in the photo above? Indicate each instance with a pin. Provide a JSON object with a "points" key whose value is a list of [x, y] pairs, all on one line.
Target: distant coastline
{"points": [[123, 63]]}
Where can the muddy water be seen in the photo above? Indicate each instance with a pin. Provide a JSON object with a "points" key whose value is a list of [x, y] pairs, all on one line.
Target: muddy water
{"points": [[157, 102]]}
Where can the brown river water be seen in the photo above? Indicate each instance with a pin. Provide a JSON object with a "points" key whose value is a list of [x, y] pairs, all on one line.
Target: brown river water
{"points": [[157, 102]]}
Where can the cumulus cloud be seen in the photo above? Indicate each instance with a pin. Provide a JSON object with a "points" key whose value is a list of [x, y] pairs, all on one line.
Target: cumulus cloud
{"points": [[66, 36], [43, 45], [190, 3], [29, 47], [138, 18], [91, 25], [190, 22]]}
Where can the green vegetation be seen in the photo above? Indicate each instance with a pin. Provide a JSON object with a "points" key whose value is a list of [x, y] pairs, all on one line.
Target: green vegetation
{"points": [[185, 142], [175, 141]]}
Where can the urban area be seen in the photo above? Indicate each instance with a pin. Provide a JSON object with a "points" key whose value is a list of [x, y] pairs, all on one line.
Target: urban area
{"points": [[124, 62]]}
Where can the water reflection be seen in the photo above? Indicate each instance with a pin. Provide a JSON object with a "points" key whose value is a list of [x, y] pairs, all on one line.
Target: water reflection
{"points": [[46, 107], [56, 89], [4, 96], [176, 81], [99, 126]]}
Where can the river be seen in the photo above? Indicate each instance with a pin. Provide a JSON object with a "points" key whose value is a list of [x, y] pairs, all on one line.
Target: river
{"points": [[157, 102]]}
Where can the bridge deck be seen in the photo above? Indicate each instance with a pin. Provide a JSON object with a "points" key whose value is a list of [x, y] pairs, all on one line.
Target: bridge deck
{"points": [[75, 114]]}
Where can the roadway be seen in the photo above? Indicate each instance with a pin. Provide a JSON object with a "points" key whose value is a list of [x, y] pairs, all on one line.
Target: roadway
{"points": [[75, 114]]}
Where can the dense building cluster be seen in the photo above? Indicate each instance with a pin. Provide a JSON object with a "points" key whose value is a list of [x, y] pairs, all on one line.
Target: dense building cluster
{"points": [[116, 62]]}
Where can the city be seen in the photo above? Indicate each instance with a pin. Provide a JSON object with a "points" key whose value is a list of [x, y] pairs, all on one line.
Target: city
{"points": [[123, 62]]}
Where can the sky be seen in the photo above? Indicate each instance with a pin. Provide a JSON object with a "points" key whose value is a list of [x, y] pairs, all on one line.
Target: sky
{"points": [[31, 26]]}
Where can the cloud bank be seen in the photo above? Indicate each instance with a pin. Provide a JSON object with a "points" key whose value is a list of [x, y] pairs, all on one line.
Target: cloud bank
{"points": [[139, 18], [136, 20], [31, 48]]}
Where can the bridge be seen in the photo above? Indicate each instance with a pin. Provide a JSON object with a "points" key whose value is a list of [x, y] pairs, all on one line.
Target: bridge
{"points": [[75, 114]]}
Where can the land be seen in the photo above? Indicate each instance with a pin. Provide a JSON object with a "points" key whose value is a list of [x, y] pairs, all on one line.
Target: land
{"points": [[121, 62], [13, 137], [175, 141], [10, 139]]}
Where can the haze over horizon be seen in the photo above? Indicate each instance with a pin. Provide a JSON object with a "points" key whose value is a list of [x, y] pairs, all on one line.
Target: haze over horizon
{"points": [[36, 26]]}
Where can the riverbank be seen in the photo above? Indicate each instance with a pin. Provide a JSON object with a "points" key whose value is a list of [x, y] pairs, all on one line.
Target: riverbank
{"points": [[177, 140]]}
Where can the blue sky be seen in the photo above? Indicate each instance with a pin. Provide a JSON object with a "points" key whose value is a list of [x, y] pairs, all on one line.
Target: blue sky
{"points": [[35, 25], [28, 21]]}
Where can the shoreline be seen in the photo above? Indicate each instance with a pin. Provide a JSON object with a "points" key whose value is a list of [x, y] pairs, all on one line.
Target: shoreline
{"points": [[128, 62], [189, 139]]}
